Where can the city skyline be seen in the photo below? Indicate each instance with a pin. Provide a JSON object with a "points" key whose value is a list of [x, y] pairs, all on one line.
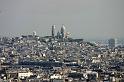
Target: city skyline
{"points": [[83, 19]]}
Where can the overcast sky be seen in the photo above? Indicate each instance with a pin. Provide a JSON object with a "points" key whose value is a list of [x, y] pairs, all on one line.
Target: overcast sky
{"points": [[83, 18]]}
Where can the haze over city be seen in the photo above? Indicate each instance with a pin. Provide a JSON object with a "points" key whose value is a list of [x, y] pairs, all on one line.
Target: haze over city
{"points": [[61, 41], [82, 18]]}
